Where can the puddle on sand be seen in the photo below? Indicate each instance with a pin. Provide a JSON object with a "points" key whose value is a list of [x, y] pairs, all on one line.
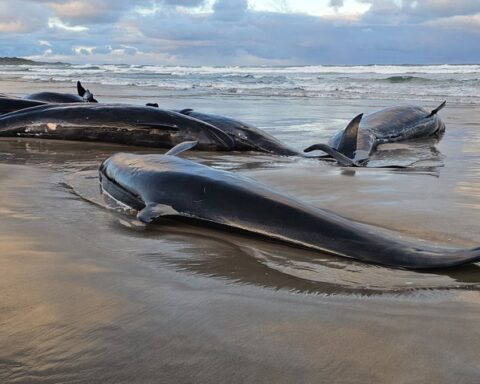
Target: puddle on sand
{"points": [[250, 259]]}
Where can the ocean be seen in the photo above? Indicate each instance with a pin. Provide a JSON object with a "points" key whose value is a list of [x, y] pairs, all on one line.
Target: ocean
{"points": [[457, 83]]}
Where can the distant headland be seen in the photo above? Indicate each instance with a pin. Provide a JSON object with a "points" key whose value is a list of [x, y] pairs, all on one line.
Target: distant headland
{"points": [[21, 61]]}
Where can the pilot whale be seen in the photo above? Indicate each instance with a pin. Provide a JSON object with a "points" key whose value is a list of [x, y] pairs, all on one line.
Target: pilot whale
{"points": [[11, 104], [116, 123], [352, 146], [166, 186], [84, 95], [246, 136]]}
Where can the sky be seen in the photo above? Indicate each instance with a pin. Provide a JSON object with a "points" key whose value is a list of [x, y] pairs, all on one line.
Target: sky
{"points": [[242, 32]]}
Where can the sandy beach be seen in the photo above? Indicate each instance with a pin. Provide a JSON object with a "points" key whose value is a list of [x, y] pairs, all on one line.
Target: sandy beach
{"points": [[88, 299]]}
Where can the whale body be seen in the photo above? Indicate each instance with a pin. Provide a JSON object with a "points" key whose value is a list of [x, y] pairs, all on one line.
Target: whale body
{"points": [[11, 104], [160, 186], [390, 125], [115, 123], [84, 95]]}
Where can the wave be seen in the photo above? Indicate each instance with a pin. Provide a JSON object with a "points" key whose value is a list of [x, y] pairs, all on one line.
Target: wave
{"points": [[456, 83], [405, 79]]}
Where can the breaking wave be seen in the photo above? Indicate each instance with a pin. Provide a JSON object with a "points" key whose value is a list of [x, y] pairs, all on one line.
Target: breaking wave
{"points": [[457, 83]]}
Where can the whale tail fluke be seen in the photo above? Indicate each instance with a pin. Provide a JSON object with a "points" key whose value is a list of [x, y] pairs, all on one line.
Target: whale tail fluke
{"points": [[85, 93], [338, 156], [345, 152], [436, 110]]}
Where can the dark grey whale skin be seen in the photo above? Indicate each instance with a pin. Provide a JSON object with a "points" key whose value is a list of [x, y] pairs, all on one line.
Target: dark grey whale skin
{"points": [[149, 183], [54, 97], [84, 96], [390, 125], [116, 123], [246, 137], [12, 104]]}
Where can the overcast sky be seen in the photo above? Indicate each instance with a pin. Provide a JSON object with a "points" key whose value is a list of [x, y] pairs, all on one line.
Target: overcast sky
{"points": [[241, 32]]}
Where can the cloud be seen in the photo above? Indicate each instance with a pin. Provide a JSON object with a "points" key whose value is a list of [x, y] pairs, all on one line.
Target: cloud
{"points": [[184, 3], [55, 22], [336, 3], [20, 17], [469, 24], [235, 32], [395, 12], [230, 10]]}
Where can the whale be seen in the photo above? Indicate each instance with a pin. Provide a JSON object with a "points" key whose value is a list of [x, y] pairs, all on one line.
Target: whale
{"points": [[84, 95], [166, 186], [12, 104], [358, 141], [115, 123], [246, 136], [352, 146]]}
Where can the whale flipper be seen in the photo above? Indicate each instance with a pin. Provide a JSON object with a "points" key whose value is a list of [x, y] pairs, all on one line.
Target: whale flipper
{"points": [[179, 148], [348, 142], [186, 111], [154, 211], [436, 110], [340, 157]]}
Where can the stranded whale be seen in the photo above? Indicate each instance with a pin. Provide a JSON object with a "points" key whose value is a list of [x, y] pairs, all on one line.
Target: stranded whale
{"points": [[12, 104], [246, 137], [84, 95], [167, 186], [351, 146], [355, 144], [116, 123]]}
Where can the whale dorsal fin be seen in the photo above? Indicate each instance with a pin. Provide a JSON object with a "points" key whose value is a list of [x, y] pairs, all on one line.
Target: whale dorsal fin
{"points": [[182, 147], [348, 142], [81, 91], [340, 157], [186, 111], [154, 211], [436, 110]]}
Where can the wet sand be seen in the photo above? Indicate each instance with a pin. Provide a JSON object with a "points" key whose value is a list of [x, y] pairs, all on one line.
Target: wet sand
{"points": [[88, 299]]}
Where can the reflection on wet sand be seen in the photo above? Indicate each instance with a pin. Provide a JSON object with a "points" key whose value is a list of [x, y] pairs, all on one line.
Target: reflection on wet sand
{"points": [[470, 188]]}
